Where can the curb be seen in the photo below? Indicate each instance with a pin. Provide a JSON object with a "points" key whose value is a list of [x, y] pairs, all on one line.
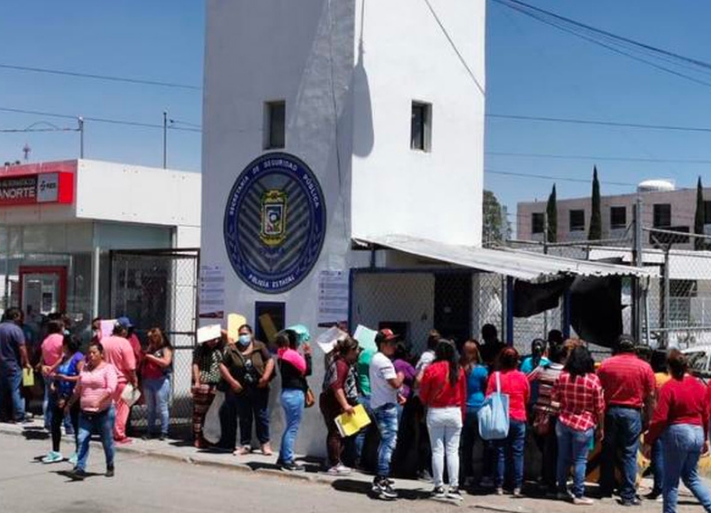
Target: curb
{"points": [[233, 466]]}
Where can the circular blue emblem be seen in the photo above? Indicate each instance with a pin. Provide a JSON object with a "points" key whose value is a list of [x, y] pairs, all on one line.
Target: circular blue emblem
{"points": [[275, 223]]}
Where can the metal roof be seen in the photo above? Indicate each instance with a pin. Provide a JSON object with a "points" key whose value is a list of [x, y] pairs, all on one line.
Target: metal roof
{"points": [[683, 264], [522, 265]]}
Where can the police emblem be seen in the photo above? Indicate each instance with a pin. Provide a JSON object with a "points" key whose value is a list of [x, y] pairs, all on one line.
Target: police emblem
{"points": [[273, 230], [268, 253]]}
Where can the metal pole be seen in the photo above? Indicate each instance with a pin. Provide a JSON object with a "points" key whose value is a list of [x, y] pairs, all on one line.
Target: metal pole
{"points": [[545, 252], [638, 258], [81, 137], [667, 298], [165, 140], [95, 277]]}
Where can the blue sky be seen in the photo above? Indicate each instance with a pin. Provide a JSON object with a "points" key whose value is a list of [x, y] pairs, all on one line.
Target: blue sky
{"points": [[532, 69]]}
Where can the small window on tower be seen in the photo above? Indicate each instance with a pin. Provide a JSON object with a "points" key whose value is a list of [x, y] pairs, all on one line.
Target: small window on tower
{"points": [[275, 125], [421, 127]]}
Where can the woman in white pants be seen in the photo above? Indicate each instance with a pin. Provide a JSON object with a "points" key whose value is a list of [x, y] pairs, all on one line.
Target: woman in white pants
{"points": [[444, 391]]}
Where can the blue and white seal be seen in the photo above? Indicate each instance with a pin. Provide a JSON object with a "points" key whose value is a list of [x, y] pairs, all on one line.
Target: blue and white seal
{"points": [[275, 223]]}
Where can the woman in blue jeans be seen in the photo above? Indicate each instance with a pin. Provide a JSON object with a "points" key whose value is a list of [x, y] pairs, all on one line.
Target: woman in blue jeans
{"points": [[477, 377], [156, 372], [293, 367], [582, 408], [94, 391], [681, 419]]}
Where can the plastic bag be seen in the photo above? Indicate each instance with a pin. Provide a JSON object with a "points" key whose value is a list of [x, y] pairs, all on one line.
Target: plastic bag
{"points": [[212, 429]]}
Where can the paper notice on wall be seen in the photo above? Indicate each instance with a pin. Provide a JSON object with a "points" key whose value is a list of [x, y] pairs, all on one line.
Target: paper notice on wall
{"points": [[332, 297], [212, 292]]}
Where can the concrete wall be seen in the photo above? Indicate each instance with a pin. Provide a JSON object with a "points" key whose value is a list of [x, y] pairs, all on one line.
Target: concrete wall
{"points": [[403, 55]]}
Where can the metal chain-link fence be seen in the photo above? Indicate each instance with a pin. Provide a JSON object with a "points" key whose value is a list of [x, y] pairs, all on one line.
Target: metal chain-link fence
{"points": [[158, 289]]}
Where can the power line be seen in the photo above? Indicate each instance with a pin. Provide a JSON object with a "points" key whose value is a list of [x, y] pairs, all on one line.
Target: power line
{"points": [[26, 130], [93, 76], [454, 47], [600, 123], [557, 178], [596, 158], [110, 121], [607, 40]]}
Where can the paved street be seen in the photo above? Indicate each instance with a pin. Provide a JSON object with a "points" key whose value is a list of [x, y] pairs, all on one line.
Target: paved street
{"points": [[146, 483]]}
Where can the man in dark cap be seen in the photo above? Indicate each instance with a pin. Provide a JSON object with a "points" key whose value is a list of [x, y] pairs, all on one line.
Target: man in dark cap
{"points": [[629, 386]]}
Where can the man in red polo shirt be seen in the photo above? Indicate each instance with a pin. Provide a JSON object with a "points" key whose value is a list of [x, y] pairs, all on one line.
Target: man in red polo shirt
{"points": [[629, 386]]}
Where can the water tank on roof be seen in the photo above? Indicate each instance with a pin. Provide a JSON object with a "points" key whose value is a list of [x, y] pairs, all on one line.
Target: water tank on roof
{"points": [[656, 186]]}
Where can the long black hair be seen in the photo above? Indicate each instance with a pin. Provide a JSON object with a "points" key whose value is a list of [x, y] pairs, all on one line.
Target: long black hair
{"points": [[446, 352], [580, 362]]}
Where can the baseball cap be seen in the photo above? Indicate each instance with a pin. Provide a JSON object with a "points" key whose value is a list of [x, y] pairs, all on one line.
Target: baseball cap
{"points": [[125, 322], [385, 335]]}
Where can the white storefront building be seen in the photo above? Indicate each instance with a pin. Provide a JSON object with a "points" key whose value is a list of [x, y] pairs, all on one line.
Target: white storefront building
{"points": [[331, 125]]}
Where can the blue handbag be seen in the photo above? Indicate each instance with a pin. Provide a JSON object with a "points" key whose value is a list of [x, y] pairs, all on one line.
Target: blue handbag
{"points": [[494, 414]]}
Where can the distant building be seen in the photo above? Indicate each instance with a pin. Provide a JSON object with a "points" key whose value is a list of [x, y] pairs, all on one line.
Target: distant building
{"points": [[663, 206]]}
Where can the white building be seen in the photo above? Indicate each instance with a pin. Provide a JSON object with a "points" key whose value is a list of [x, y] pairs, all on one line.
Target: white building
{"points": [[330, 121]]}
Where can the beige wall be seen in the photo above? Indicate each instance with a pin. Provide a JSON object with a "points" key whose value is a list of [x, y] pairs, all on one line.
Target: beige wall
{"points": [[683, 210]]}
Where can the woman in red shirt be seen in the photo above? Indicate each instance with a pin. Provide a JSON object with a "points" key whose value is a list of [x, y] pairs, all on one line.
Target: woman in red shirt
{"points": [[681, 419], [444, 390], [509, 451], [579, 393]]}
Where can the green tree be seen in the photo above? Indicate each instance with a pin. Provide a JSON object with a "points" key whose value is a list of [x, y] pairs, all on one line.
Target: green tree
{"points": [[496, 227], [700, 219], [595, 232], [552, 215]]}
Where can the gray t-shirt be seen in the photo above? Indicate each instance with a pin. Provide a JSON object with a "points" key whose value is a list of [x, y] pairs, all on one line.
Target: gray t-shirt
{"points": [[11, 339]]}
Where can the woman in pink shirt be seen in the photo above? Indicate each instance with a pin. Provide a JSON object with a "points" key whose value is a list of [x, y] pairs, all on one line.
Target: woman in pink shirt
{"points": [[509, 451], [94, 391]]}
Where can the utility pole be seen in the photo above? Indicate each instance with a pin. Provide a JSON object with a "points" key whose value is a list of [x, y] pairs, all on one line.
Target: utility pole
{"points": [[638, 259], [80, 120], [545, 252], [165, 140]]}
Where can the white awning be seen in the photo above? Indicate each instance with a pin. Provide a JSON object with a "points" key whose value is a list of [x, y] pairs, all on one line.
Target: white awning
{"points": [[683, 264], [522, 265]]}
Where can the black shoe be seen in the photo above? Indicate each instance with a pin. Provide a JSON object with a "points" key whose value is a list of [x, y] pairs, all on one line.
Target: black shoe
{"points": [[293, 467], [110, 471], [653, 495], [162, 437], [455, 494], [630, 502], [147, 436], [76, 474], [438, 493], [383, 489]]}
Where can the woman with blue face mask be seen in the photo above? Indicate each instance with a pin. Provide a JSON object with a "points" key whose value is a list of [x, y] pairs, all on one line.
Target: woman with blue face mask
{"points": [[247, 368]]}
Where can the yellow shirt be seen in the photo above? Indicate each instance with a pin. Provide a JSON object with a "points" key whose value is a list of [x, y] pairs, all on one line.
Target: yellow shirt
{"points": [[661, 378]]}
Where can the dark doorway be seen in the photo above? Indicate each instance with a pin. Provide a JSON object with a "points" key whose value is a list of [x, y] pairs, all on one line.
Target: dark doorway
{"points": [[453, 306]]}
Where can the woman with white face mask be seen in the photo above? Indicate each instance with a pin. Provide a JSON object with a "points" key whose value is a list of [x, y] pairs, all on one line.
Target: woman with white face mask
{"points": [[247, 368]]}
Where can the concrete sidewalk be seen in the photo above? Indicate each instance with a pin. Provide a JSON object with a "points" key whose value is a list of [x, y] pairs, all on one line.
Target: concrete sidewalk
{"points": [[180, 451]]}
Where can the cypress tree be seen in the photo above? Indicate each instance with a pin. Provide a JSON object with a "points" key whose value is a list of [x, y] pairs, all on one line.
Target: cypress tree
{"points": [[552, 214], [595, 232]]}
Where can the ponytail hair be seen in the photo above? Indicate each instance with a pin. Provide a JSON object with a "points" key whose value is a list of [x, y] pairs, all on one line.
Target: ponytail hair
{"points": [[446, 352]]}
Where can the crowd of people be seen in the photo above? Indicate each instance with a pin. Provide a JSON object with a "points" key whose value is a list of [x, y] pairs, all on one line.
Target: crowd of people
{"points": [[425, 409]]}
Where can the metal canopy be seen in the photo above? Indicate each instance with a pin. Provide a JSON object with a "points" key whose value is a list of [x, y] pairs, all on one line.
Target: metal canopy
{"points": [[532, 267]]}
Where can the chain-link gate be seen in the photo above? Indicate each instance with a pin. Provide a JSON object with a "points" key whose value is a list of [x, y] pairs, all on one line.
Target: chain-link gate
{"points": [[158, 289]]}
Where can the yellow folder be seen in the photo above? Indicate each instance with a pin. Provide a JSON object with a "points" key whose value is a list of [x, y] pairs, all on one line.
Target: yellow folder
{"points": [[28, 378], [350, 424]]}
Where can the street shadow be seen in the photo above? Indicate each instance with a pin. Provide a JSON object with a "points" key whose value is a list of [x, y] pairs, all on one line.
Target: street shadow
{"points": [[365, 488], [35, 433], [181, 443], [68, 475]]}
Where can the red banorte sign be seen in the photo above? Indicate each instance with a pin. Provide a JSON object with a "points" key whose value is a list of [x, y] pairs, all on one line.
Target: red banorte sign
{"points": [[37, 185]]}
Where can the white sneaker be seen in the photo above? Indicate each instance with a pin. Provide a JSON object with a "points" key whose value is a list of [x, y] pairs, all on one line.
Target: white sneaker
{"points": [[583, 501], [339, 470], [53, 457]]}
